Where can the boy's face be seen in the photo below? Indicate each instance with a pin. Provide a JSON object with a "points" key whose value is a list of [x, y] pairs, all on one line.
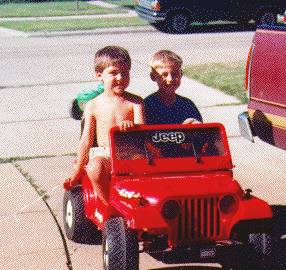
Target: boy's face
{"points": [[116, 78], [168, 78]]}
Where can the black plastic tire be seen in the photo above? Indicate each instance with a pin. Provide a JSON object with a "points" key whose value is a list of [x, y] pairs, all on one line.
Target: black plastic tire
{"points": [[268, 17], [279, 232], [279, 220], [120, 246], [75, 111], [178, 23], [263, 245], [78, 227]]}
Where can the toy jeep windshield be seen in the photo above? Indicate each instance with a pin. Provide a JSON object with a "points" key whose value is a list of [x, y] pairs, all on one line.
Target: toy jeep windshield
{"points": [[172, 188], [166, 150]]}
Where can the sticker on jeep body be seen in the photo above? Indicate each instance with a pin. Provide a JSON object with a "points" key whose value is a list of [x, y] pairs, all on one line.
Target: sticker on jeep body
{"points": [[175, 137]]}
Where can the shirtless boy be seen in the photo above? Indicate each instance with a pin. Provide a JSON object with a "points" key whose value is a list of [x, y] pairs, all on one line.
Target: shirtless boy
{"points": [[165, 106], [114, 107]]}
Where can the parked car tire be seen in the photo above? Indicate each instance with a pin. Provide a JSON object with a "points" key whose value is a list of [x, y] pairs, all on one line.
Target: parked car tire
{"points": [[120, 246], [267, 17], [78, 227], [178, 23]]}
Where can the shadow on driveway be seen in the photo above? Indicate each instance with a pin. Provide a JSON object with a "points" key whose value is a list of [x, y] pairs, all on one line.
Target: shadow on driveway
{"points": [[217, 28]]}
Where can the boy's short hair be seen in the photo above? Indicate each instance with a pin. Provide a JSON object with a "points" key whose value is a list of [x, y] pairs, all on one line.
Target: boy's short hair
{"points": [[165, 58], [110, 55]]}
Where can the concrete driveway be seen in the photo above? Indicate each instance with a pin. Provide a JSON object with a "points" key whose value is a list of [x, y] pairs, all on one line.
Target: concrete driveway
{"points": [[37, 146], [36, 126]]}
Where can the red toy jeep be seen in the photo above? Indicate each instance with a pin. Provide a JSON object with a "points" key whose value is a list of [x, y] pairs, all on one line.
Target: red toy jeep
{"points": [[172, 188]]}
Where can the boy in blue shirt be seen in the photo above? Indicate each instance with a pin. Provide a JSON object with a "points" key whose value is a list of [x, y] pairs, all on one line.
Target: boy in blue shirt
{"points": [[165, 106]]}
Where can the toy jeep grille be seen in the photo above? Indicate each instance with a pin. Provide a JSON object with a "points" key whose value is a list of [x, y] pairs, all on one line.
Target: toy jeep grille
{"points": [[199, 218]]}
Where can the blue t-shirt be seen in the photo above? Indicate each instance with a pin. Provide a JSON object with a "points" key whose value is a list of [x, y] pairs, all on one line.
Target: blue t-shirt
{"points": [[157, 113]]}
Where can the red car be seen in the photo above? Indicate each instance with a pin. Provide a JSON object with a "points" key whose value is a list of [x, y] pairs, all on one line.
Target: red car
{"points": [[172, 188], [265, 84]]}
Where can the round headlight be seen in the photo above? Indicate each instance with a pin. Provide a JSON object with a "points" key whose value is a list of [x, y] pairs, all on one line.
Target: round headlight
{"points": [[227, 204], [171, 209]]}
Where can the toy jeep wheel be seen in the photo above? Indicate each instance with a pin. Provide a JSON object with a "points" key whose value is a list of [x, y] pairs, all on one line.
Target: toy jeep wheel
{"points": [[263, 245], [77, 226], [120, 246], [75, 111]]}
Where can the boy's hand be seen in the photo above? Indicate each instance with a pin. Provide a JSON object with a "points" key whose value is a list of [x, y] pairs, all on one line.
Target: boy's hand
{"points": [[72, 181], [191, 121], [125, 125]]}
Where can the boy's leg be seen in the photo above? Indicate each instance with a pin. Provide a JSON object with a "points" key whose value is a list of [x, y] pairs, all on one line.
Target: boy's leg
{"points": [[98, 170]]}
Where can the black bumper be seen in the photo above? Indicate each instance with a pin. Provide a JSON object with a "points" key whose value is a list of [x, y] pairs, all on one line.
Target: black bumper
{"points": [[237, 256]]}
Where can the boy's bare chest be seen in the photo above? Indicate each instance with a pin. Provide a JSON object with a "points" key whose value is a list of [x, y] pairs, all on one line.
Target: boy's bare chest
{"points": [[117, 111]]}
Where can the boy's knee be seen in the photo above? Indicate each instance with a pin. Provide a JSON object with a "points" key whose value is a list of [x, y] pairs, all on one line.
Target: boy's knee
{"points": [[97, 167]]}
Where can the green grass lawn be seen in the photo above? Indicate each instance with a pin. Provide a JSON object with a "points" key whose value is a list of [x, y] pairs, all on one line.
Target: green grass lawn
{"points": [[67, 8], [71, 24], [125, 3], [62, 8], [227, 77], [53, 9]]}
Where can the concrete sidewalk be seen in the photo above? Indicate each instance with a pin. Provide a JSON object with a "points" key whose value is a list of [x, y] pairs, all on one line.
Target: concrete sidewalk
{"points": [[35, 132]]}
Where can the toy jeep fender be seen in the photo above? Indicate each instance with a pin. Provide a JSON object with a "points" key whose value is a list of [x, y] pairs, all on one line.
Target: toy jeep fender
{"points": [[171, 187]]}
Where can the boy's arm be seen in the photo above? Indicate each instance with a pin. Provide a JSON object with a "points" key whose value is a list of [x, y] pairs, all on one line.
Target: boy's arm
{"points": [[192, 113], [85, 144], [139, 114], [87, 137], [139, 117]]}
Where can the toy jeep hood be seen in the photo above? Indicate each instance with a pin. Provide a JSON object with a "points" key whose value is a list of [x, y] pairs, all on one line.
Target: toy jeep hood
{"points": [[156, 189], [170, 149]]}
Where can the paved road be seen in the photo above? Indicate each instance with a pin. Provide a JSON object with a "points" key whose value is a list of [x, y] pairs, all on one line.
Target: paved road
{"points": [[41, 61], [54, 69], [35, 122]]}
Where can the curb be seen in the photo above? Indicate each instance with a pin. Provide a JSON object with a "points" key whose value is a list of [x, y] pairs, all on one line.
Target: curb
{"points": [[114, 30], [128, 13]]}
